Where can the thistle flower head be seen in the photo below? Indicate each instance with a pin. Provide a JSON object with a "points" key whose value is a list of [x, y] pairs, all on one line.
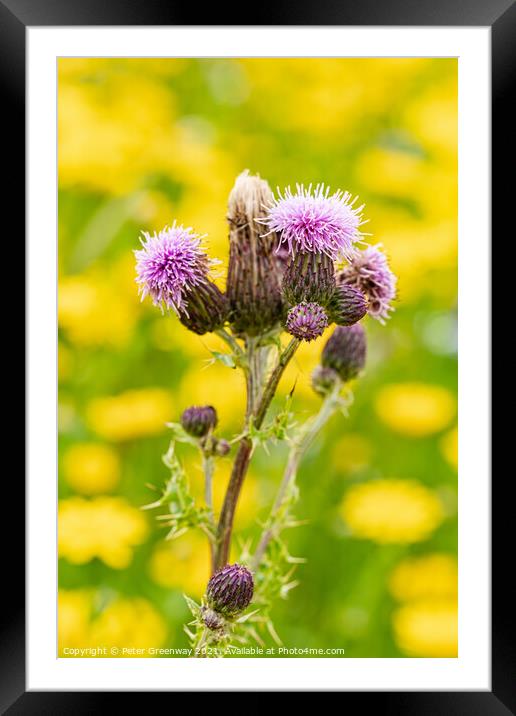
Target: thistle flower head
{"points": [[230, 590], [316, 221], [345, 351], [199, 420], [369, 271], [169, 265], [306, 321], [347, 306]]}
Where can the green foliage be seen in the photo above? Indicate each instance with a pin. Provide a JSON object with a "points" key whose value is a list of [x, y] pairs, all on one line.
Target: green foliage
{"points": [[183, 512]]}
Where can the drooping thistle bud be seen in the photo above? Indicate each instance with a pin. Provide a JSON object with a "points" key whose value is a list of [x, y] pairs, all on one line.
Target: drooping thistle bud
{"points": [[197, 421], [348, 305], [212, 619], [172, 268], [254, 280], [230, 590], [206, 309], [309, 277], [306, 321], [324, 380], [369, 271], [345, 351]]}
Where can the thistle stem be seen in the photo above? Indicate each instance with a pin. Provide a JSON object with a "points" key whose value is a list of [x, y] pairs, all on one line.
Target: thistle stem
{"points": [[208, 469], [243, 456], [299, 449], [230, 340]]}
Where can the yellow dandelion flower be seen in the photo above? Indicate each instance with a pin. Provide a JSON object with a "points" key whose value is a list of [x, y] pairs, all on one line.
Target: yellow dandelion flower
{"points": [[91, 468], [392, 511], [450, 447], [427, 628], [415, 409], [133, 414], [182, 564], [108, 528], [432, 576]]}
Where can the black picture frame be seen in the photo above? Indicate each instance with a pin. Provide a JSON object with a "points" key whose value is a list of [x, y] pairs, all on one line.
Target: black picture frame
{"points": [[500, 15]]}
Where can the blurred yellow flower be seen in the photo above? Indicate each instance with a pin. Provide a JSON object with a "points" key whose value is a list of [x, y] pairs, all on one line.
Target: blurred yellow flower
{"points": [[415, 409], [216, 385], [450, 447], [92, 313], [74, 609], [125, 623], [389, 171], [427, 628], [91, 468], [182, 564], [432, 576], [129, 624], [392, 511], [108, 528], [133, 414], [432, 118]]}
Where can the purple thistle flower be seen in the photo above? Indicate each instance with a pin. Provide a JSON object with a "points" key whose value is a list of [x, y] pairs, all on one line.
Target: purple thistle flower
{"points": [[317, 222], [369, 271], [306, 321], [230, 590], [169, 265]]}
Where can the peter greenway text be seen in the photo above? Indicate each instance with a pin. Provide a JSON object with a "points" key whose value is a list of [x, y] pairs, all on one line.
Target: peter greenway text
{"points": [[116, 651]]}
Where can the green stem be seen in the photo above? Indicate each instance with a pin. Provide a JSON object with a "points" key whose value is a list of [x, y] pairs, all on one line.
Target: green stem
{"points": [[231, 341], [243, 455], [299, 449]]}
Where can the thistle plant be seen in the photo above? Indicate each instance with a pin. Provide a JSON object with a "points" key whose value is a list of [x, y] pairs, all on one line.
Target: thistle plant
{"points": [[282, 289]]}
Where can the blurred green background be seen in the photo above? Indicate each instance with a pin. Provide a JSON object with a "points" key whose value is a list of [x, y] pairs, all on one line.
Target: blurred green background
{"points": [[144, 141]]}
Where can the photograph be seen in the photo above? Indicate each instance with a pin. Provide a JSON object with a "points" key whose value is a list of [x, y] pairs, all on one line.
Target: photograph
{"points": [[257, 357]]}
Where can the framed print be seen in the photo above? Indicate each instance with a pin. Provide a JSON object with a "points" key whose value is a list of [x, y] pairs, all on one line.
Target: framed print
{"points": [[258, 453]]}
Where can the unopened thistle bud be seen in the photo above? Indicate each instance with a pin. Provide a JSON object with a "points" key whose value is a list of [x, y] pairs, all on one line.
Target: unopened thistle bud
{"points": [[198, 421], [306, 321], [347, 306], [211, 619], [309, 277], [221, 447], [324, 380], [173, 269], [345, 351], [254, 279], [230, 590]]}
